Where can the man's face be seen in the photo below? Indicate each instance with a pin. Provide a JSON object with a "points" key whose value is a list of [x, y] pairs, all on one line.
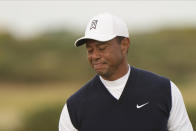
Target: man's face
{"points": [[105, 57]]}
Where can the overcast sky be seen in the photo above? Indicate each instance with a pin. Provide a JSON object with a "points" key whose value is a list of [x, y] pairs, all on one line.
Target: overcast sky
{"points": [[30, 17]]}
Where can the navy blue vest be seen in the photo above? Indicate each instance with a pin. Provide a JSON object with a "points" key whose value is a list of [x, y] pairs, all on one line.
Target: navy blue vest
{"points": [[93, 108]]}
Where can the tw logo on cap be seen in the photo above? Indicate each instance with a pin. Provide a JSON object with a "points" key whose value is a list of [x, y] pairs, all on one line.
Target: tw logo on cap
{"points": [[94, 24]]}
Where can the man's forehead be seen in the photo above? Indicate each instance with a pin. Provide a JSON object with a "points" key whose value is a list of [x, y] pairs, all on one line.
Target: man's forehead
{"points": [[96, 43]]}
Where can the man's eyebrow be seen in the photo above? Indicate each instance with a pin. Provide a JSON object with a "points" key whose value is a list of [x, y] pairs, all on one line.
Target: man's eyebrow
{"points": [[99, 44], [103, 44], [87, 46]]}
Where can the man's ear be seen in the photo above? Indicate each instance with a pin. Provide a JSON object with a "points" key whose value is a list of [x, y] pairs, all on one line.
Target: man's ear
{"points": [[125, 43]]}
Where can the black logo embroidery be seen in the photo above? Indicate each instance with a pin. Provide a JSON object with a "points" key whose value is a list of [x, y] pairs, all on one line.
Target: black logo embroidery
{"points": [[93, 24]]}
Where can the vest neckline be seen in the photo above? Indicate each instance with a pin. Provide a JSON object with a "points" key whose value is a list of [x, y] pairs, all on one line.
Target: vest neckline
{"points": [[128, 86]]}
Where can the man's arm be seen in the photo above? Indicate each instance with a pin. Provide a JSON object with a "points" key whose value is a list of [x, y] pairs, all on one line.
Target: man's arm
{"points": [[178, 120], [65, 123]]}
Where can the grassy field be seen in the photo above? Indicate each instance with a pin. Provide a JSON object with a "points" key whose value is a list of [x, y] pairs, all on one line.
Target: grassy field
{"points": [[16, 100]]}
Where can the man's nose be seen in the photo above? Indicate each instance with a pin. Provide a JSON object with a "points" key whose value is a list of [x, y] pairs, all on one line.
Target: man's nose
{"points": [[95, 54]]}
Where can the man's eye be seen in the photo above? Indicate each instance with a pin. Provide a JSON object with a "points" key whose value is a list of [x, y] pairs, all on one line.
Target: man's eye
{"points": [[89, 51], [102, 48]]}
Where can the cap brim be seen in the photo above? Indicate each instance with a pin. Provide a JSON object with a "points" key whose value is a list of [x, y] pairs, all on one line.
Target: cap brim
{"points": [[101, 38]]}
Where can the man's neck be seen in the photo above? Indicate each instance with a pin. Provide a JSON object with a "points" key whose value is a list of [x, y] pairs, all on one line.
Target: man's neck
{"points": [[118, 74]]}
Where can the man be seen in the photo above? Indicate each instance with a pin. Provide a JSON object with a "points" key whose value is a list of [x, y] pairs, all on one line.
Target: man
{"points": [[121, 97]]}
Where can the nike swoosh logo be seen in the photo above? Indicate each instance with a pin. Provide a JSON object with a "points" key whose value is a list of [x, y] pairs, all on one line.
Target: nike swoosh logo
{"points": [[140, 106]]}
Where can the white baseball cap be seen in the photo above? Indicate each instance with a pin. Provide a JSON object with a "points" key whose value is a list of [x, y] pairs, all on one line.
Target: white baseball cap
{"points": [[104, 27]]}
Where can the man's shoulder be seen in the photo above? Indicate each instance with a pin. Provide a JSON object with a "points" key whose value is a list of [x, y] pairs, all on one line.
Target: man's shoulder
{"points": [[81, 94], [145, 74], [154, 84]]}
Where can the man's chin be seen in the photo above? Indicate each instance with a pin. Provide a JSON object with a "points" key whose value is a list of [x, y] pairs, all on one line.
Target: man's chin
{"points": [[101, 71], [102, 74]]}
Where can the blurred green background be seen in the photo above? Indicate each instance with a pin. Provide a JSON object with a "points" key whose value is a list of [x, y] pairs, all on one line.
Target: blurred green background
{"points": [[38, 72], [37, 75]]}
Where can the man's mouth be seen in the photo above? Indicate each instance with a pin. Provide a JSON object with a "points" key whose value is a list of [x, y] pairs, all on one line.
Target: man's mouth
{"points": [[98, 65]]}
